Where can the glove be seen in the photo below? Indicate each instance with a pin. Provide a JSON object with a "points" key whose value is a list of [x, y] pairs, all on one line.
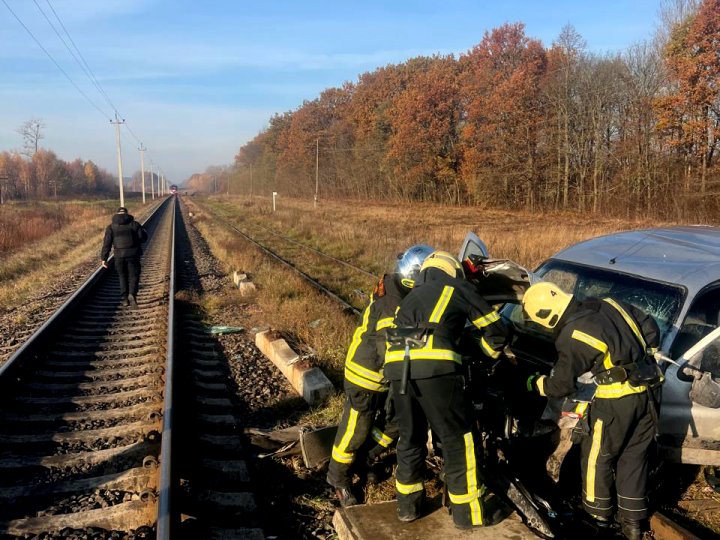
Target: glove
{"points": [[531, 380]]}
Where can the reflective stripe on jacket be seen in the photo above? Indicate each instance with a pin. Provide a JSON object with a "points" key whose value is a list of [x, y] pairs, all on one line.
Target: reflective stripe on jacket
{"points": [[445, 303], [365, 356], [595, 335]]}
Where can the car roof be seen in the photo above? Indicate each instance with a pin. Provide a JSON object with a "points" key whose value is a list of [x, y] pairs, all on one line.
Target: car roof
{"points": [[688, 256]]}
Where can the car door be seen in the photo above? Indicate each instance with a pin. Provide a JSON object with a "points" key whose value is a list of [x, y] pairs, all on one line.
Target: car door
{"points": [[499, 280], [690, 412]]}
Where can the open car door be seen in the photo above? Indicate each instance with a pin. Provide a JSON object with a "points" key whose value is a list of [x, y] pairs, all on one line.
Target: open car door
{"points": [[690, 412], [500, 281]]}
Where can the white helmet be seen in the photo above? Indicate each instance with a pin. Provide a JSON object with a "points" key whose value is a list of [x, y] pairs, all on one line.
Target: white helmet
{"points": [[409, 263]]}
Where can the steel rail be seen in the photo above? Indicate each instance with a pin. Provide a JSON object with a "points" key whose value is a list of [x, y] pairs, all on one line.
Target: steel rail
{"points": [[312, 281], [322, 253], [33, 348], [165, 522], [37, 337]]}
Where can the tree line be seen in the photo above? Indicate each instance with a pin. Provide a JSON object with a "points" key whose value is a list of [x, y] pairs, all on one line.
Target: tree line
{"points": [[512, 123], [45, 175]]}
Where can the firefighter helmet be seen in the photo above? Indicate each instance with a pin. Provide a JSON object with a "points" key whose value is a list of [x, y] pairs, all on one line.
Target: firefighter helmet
{"points": [[448, 263], [409, 263], [544, 303]]}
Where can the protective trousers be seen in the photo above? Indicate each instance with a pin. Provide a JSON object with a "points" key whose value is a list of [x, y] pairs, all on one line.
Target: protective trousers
{"points": [[128, 271], [616, 452], [363, 424], [441, 403]]}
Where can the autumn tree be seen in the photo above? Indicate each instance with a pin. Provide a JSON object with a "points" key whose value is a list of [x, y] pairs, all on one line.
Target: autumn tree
{"points": [[423, 148], [91, 174], [502, 116], [690, 114]]}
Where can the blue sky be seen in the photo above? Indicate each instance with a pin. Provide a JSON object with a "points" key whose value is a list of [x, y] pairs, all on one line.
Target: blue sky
{"points": [[197, 79]]}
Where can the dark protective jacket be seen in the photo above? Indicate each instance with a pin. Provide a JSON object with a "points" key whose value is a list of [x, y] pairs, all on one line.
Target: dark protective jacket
{"points": [[445, 304], [366, 355], [595, 335], [125, 235]]}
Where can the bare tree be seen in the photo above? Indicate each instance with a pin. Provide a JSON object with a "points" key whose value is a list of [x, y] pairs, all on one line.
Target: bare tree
{"points": [[31, 132], [670, 14]]}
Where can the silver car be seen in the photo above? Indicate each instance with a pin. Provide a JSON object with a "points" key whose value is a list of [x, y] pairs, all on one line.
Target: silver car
{"points": [[672, 274]]}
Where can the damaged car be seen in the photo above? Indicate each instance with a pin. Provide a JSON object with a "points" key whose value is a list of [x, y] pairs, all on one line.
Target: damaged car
{"points": [[671, 273]]}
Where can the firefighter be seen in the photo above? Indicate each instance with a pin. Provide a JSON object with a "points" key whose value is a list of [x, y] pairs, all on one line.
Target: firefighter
{"points": [[614, 341], [363, 419], [442, 301]]}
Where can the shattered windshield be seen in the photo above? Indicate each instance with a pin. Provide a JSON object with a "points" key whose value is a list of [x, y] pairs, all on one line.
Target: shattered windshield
{"points": [[659, 300]]}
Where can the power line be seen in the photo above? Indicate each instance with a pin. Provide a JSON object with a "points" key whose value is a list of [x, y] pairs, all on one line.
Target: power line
{"points": [[77, 56], [90, 101], [81, 60]]}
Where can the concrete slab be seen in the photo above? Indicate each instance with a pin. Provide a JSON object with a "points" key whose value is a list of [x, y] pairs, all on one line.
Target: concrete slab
{"points": [[316, 446], [247, 288], [310, 383], [379, 522], [239, 277]]}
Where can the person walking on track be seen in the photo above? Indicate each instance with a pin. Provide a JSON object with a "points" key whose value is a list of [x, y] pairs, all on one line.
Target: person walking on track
{"points": [[125, 236]]}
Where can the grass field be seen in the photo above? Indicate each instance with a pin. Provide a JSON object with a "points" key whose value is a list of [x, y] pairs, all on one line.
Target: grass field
{"points": [[42, 240], [369, 235]]}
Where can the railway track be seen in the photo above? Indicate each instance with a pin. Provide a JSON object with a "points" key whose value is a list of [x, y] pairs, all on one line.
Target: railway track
{"points": [[81, 409], [91, 445], [348, 287]]}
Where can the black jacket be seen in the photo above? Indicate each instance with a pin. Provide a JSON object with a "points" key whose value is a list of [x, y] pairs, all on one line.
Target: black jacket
{"points": [[445, 304], [366, 354], [593, 335], [125, 235]]}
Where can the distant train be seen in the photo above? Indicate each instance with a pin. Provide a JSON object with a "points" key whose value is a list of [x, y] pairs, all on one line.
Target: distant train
{"points": [[173, 189]]}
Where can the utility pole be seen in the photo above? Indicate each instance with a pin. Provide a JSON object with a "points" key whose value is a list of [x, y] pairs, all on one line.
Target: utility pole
{"points": [[251, 180], [163, 183], [317, 170], [3, 190], [117, 123], [152, 182], [142, 168]]}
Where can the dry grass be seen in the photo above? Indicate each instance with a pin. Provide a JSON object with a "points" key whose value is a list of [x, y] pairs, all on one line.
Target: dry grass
{"points": [[24, 223], [78, 240], [369, 235], [284, 300]]}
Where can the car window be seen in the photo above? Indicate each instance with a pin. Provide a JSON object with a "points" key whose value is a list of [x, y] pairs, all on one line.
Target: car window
{"points": [[659, 300], [701, 319]]}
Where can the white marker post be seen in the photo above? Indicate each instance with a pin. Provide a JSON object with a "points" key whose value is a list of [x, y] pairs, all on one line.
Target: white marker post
{"points": [[274, 197]]}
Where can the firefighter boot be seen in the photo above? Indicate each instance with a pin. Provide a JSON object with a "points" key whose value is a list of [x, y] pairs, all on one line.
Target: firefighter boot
{"points": [[409, 507], [631, 529], [338, 477], [468, 516], [345, 497]]}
